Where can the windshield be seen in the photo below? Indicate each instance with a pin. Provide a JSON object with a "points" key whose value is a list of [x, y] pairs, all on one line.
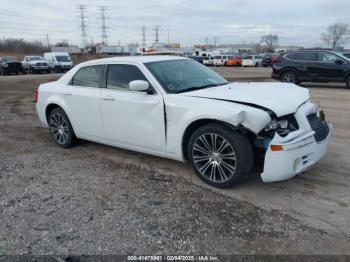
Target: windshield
{"points": [[9, 59], [35, 58], [62, 58], [248, 57], [177, 76], [344, 56]]}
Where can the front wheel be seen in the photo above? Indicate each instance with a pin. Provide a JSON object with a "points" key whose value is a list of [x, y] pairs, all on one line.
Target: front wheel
{"points": [[347, 82], [61, 128], [220, 156]]}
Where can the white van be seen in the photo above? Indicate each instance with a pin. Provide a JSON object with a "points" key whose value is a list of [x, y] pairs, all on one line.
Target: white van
{"points": [[252, 60], [59, 61], [220, 60]]}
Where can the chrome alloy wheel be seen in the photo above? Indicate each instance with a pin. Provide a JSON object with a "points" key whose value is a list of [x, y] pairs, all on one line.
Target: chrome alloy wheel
{"points": [[59, 128], [214, 157]]}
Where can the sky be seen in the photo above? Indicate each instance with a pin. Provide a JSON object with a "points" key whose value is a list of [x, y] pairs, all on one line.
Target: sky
{"points": [[296, 22]]}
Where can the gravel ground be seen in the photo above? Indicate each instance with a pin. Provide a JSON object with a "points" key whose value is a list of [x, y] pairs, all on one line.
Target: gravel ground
{"points": [[94, 199]]}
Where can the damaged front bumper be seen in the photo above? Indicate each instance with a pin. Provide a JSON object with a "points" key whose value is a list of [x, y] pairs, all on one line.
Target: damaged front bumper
{"points": [[297, 152], [286, 160]]}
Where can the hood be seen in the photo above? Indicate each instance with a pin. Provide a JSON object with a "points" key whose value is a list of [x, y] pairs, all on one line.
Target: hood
{"points": [[281, 98]]}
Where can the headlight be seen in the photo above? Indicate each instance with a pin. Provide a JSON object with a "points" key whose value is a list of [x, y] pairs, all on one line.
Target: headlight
{"points": [[5, 65], [277, 124]]}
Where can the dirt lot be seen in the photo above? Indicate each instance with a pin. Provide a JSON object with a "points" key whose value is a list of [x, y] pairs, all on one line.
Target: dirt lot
{"points": [[95, 199]]}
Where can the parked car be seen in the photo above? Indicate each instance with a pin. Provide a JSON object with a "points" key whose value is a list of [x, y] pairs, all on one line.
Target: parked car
{"points": [[234, 61], [199, 59], [312, 66], [207, 60], [35, 64], [10, 65], [267, 60], [220, 60], [176, 108], [347, 55], [59, 61], [252, 60]]}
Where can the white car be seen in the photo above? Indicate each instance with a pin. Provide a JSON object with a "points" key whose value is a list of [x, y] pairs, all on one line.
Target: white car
{"points": [[35, 64], [176, 108], [252, 60]]}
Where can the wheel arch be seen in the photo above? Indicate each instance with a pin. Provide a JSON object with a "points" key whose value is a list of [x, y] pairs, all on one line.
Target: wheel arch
{"points": [[50, 107], [192, 127]]}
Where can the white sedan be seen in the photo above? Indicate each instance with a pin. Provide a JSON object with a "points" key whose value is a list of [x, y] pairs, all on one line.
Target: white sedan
{"points": [[176, 108]]}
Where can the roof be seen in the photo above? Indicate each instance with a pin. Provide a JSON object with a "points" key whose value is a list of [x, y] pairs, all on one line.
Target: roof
{"points": [[135, 59]]}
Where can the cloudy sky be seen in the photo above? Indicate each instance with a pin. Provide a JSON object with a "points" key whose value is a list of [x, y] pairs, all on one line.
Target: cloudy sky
{"points": [[297, 22]]}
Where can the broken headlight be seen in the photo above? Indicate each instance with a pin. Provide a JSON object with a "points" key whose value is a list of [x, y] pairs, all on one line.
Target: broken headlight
{"points": [[277, 124], [283, 126]]}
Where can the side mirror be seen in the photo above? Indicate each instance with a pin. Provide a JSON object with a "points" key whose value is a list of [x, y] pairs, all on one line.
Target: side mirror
{"points": [[339, 62], [139, 85]]}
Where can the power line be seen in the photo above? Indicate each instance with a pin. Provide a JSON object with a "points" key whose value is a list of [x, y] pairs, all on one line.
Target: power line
{"points": [[83, 26], [103, 24]]}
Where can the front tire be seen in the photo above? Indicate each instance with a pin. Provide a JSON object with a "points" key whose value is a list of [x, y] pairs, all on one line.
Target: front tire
{"points": [[61, 129], [220, 156], [347, 82]]}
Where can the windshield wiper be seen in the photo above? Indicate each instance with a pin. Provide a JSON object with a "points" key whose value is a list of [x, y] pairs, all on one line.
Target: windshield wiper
{"points": [[194, 88]]}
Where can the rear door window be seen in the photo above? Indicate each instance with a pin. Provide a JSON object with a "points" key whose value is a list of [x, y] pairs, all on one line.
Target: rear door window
{"points": [[89, 76], [327, 57]]}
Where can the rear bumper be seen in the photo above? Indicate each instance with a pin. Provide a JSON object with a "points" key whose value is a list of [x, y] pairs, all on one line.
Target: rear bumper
{"points": [[297, 156]]}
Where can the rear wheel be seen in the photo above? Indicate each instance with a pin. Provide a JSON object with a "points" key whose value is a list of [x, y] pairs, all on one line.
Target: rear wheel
{"points": [[289, 77], [61, 128], [220, 156]]}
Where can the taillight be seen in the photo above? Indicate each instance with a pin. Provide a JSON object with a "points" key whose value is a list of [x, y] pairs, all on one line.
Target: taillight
{"points": [[36, 98], [276, 60]]}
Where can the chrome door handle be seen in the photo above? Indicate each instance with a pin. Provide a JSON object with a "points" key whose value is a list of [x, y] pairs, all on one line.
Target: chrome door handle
{"points": [[108, 98], [67, 93]]}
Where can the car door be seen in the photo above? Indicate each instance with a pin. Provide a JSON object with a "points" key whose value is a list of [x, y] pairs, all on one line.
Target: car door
{"points": [[83, 98], [330, 67], [131, 119]]}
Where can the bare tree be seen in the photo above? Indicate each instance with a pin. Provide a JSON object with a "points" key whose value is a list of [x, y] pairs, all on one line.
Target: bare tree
{"points": [[336, 34], [269, 42]]}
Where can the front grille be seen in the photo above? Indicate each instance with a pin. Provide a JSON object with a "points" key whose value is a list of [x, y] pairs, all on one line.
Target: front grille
{"points": [[320, 127], [41, 64]]}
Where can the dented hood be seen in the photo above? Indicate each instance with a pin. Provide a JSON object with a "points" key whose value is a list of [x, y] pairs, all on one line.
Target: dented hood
{"points": [[281, 98]]}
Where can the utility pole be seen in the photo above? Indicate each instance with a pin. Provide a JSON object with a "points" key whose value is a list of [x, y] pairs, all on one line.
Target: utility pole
{"points": [[83, 26], [103, 25], [143, 37], [156, 30], [168, 36], [215, 40], [47, 40]]}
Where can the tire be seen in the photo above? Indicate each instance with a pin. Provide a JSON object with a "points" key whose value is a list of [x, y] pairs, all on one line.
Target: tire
{"points": [[347, 82], [217, 166], [60, 128], [289, 77]]}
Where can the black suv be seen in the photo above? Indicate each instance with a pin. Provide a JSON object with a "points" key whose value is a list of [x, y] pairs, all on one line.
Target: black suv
{"points": [[312, 66]]}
